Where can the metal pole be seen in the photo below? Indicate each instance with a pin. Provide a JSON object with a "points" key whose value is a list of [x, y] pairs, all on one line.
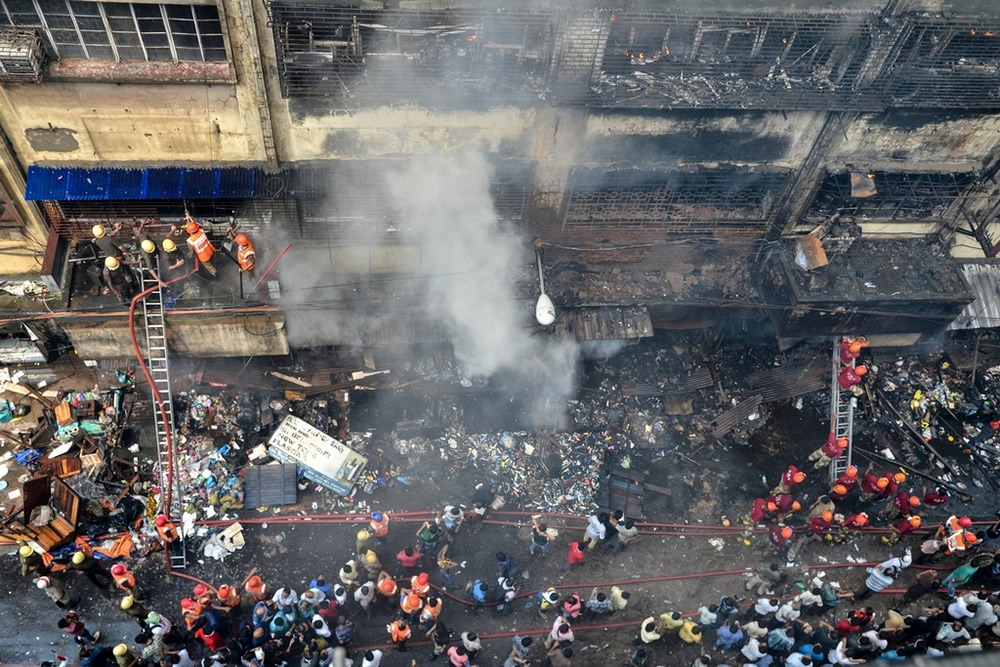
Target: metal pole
{"points": [[541, 276]]}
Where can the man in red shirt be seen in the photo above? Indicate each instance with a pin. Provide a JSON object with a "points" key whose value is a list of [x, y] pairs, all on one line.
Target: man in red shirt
{"points": [[850, 377], [938, 496], [73, 626], [212, 639], [829, 451], [576, 556], [908, 525], [409, 558], [789, 479]]}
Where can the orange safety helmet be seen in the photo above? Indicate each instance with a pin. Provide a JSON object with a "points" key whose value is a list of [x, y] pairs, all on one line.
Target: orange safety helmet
{"points": [[771, 507], [840, 489], [914, 501], [241, 239], [799, 477], [882, 482], [827, 515], [860, 370], [192, 227], [161, 521], [899, 477], [796, 505], [970, 538], [842, 442], [852, 471], [965, 522], [854, 347], [225, 591], [915, 521], [254, 581], [786, 532], [118, 570], [861, 519]]}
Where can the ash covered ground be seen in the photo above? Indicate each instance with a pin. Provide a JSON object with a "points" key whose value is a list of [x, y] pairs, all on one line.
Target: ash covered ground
{"points": [[702, 479]]}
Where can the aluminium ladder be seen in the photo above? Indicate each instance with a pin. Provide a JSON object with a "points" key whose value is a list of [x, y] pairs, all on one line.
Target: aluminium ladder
{"points": [[158, 363], [842, 415]]}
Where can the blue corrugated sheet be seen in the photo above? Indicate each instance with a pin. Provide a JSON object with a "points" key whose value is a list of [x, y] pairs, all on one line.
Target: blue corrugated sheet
{"points": [[77, 184]]}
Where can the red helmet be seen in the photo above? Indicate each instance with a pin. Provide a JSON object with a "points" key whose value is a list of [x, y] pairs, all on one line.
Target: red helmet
{"points": [[965, 522], [187, 603], [118, 570], [241, 239], [161, 521], [199, 589], [422, 579]]}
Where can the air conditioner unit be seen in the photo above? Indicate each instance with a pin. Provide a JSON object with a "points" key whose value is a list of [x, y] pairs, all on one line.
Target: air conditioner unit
{"points": [[22, 56]]}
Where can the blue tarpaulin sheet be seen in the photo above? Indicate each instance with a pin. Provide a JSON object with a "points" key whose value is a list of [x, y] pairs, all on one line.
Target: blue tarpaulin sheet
{"points": [[104, 184]]}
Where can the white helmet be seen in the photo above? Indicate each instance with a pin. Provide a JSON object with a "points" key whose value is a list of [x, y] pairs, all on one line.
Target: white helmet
{"points": [[43, 582]]}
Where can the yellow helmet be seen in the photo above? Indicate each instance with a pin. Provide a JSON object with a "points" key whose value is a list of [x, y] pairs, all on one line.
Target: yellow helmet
{"points": [[111, 262], [25, 551], [371, 557], [98, 231], [78, 558], [120, 650], [148, 245], [363, 534], [127, 602], [169, 245]]}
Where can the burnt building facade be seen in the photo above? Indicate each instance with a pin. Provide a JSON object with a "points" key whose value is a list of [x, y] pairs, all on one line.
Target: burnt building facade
{"points": [[671, 150]]}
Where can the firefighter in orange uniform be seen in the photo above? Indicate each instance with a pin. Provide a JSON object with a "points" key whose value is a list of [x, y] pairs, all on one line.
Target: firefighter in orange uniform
{"points": [[166, 530], [199, 244], [125, 580], [245, 255]]}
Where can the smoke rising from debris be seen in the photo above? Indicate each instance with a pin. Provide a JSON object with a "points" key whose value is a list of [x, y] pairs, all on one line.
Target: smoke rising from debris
{"points": [[443, 202]]}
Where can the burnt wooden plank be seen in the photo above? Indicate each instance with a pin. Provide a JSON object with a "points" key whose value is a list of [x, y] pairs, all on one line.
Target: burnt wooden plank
{"points": [[725, 422]]}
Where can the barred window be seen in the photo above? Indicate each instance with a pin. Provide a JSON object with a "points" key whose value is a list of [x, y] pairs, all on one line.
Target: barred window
{"points": [[122, 30]]}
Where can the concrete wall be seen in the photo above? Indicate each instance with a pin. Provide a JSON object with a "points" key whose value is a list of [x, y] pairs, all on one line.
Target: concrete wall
{"points": [[253, 334]]}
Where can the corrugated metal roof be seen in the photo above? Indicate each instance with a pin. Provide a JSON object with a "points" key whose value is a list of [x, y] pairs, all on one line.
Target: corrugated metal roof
{"points": [[984, 312], [102, 184]]}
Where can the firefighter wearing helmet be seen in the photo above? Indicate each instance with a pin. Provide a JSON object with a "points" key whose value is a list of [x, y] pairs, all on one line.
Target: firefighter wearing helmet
{"points": [[199, 244], [379, 525], [118, 279], [31, 562], [246, 257]]}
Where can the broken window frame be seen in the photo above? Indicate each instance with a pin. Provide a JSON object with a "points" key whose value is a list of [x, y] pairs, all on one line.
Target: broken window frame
{"points": [[353, 54], [945, 63], [669, 200], [758, 61], [121, 31], [903, 197]]}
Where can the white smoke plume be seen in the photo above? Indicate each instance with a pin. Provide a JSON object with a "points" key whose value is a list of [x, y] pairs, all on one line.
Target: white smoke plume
{"points": [[443, 202]]}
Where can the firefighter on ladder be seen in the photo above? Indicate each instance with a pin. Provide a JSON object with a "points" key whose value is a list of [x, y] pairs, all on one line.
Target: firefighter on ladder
{"points": [[200, 246]]}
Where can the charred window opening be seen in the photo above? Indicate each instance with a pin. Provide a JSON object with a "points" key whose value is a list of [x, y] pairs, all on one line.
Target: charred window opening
{"points": [[436, 58], [947, 64], [898, 196], [679, 201], [719, 61], [347, 200]]}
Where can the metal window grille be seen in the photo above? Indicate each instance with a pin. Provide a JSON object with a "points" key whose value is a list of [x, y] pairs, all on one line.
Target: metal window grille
{"points": [[22, 56], [697, 201], [74, 219], [436, 58], [122, 30], [945, 63], [732, 61], [899, 196]]}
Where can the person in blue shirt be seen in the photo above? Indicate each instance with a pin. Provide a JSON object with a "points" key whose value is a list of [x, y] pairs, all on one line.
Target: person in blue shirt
{"points": [[319, 583], [480, 591], [814, 651], [728, 636], [93, 656]]}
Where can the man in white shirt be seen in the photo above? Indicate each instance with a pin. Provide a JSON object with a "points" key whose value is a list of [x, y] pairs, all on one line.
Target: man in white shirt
{"points": [[372, 658], [285, 597], [364, 597]]}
